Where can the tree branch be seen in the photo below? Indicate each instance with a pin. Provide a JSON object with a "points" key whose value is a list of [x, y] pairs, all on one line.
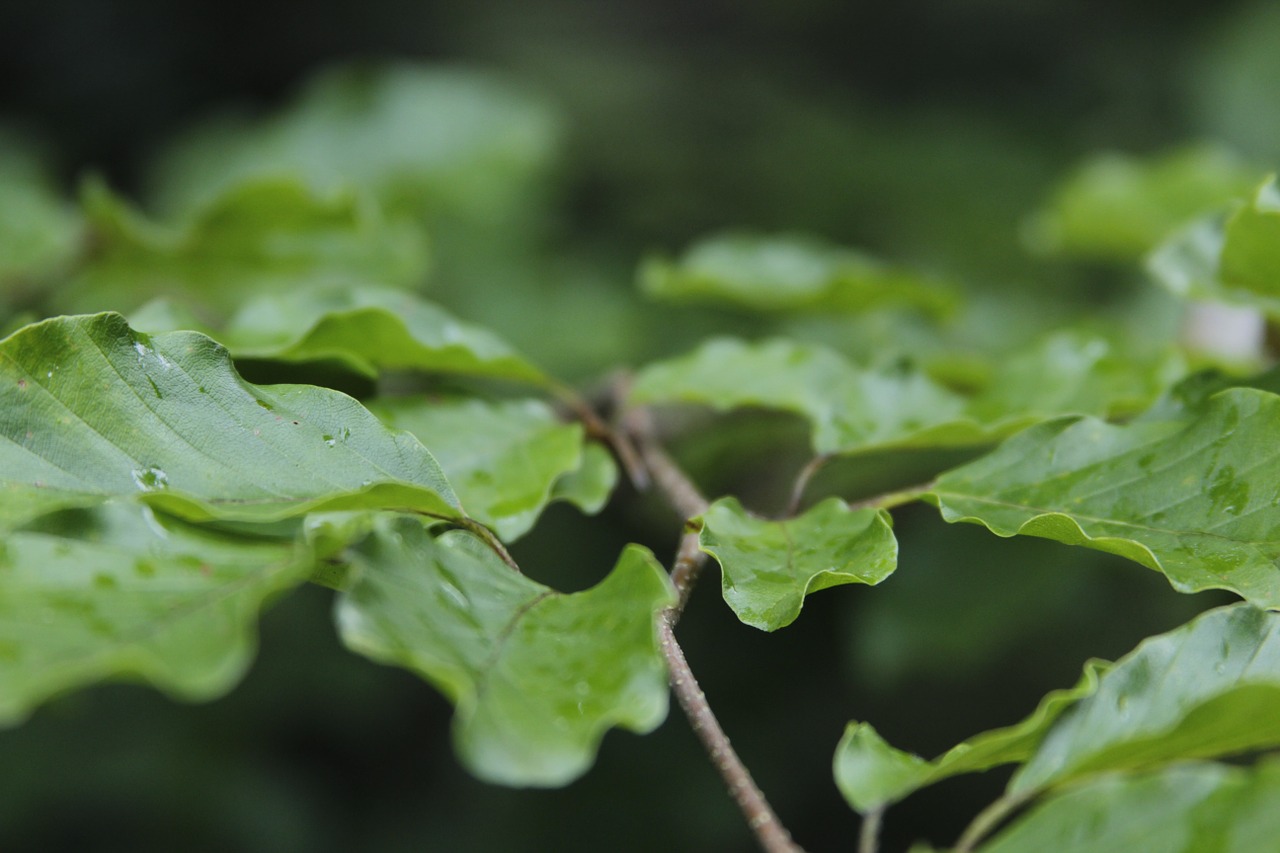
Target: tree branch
{"points": [[769, 831]]}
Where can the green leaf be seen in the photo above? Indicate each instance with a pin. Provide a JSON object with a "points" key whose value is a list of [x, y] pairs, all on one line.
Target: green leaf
{"points": [[122, 592], [504, 459], [1189, 808], [872, 774], [371, 329], [537, 676], [788, 272], [1227, 258], [1209, 688], [853, 410], [1117, 207], [1192, 497], [39, 231], [768, 567], [268, 235], [589, 486], [443, 139], [90, 410]]}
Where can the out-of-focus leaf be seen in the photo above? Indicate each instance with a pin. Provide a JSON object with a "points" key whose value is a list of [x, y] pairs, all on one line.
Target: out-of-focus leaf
{"points": [[1192, 497], [440, 139], [537, 676], [504, 459], [121, 592], [872, 774], [90, 410], [1190, 808], [1232, 257], [589, 486], [371, 328], [768, 567], [853, 410], [1117, 207], [39, 231], [787, 272], [269, 235], [1209, 688]]}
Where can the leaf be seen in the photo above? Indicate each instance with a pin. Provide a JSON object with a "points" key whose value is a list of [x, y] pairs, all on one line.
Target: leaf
{"points": [[1229, 258], [122, 592], [39, 232], [1189, 808], [1207, 689], [1117, 207], [854, 410], [872, 774], [788, 272], [504, 459], [537, 676], [91, 410], [371, 329], [444, 139], [768, 567], [589, 486], [1191, 497], [268, 235]]}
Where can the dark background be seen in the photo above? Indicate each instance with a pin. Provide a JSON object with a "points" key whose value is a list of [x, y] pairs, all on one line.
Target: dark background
{"points": [[921, 130]]}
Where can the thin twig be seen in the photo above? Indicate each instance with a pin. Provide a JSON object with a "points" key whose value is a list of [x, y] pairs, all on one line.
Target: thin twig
{"points": [[806, 474], [988, 819], [617, 440], [769, 831]]}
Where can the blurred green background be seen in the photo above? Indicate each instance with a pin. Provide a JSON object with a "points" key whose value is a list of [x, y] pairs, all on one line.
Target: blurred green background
{"points": [[924, 131]]}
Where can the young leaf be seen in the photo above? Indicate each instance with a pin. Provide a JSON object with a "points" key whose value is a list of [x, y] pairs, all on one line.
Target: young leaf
{"points": [[537, 676], [786, 272], [1209, 688], [122, 592], [266, 235], [370, 329], [504, 459], [90, 410], [1188, 808], [872, 774], [768, 567], [1192, 497]]}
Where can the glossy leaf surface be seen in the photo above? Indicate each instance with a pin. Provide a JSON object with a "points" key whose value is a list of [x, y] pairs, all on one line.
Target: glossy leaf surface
{"points": [[537, 676], [504, 459], [1192, 497], [768, 567], [121, 592], [90, 410], [872, 774]]}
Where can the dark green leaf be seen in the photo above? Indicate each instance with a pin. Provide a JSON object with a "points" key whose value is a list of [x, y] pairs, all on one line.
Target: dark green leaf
{"points": [[537, 676], [768, 567], [90, 410]]}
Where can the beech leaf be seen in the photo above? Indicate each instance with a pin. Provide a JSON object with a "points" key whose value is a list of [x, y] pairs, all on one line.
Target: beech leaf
{"points": [[537, 676]]}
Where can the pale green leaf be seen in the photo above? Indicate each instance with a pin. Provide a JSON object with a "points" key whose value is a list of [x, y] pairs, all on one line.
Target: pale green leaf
{"points": [[90, 410], [589, 486], [1209, 688], [1190, 808], [122, 592], [39, 231], [269, 235], [537, 676], [768, 567], [872, 774], [370, 329], [1117, 207], [788, 272], [1192, 497], [504, 459]]}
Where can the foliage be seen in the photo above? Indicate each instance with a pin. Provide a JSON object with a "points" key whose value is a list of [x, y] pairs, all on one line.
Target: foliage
{"points": [[279, 403]]}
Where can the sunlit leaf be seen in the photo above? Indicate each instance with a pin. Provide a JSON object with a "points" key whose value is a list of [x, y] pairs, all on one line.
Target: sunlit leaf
{"points": [[1209, 688], [90, 410], [768, 567], [504, 459], [1192, 497], [787, 272], [872, 774], [121, 592], [537, 676]]}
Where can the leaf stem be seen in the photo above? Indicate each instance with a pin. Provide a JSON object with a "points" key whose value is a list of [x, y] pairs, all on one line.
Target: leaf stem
{"points": [[988, 819], [490, 539], [889, 500], [762, 820], [869, 834], [806, 474]]}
